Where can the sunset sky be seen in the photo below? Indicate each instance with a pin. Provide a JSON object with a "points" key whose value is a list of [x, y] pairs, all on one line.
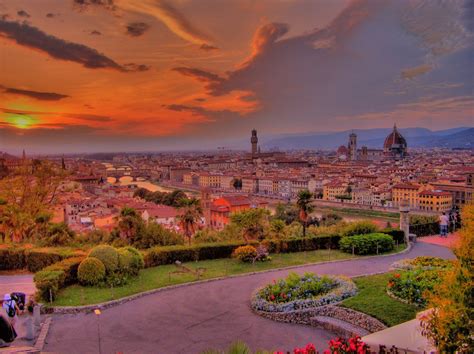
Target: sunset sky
{"points": [[123, 75]]}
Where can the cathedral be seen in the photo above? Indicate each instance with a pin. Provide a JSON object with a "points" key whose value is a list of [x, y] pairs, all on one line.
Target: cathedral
{"points": [[394, 147]]}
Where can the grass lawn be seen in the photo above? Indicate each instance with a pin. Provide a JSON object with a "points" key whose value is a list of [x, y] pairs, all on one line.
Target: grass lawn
{"points": [[374, 301], [157, 277]]}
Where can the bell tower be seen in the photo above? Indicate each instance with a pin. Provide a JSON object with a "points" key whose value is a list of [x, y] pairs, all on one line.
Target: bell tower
{"points": [[254, 142], [352, 146]]}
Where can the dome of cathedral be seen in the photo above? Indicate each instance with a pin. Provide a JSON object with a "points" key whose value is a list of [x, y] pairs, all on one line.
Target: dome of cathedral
{"points": [[394, 139]]}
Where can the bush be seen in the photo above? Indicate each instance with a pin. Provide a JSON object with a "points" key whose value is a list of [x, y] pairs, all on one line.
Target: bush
{"points": [[55, 277], [33, 260], [359, 228], [156, 235], [136, 262], [48, 283], [58, 235], [397, 235], [108, 256], [245, 253], [367, 244], [37, 260], [413, 285], [125, 262], [12, 258], [170, 254], [91, 271]]}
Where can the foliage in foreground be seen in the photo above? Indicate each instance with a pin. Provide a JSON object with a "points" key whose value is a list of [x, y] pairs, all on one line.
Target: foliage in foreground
{"points": [[450, 324], [352, 345]]}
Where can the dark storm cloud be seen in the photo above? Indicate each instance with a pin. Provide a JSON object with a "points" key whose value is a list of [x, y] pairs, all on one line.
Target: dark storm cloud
{"points": [[50, 15], [136, 29], [95, 33], [210, 79], [43, 96], [32, 37], [23, 13]]}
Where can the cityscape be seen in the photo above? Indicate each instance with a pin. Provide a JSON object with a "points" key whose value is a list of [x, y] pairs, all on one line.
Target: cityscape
{"points": [[236, 177]]}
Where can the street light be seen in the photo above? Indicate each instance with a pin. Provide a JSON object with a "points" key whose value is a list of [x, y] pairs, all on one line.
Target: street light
{"points": [[97, 312]]}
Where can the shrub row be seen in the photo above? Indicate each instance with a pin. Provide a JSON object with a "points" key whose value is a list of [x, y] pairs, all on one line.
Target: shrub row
{"points": [[57, 276], [167, 255], [397, 235], [33, 260], [367, 244]]}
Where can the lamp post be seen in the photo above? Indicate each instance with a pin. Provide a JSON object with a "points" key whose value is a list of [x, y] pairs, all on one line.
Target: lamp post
{"points": [[405, 219]]}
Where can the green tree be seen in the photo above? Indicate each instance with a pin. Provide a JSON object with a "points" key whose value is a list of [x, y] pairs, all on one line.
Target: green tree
{"points": [[190, 213], [28, 193], [251, 222], [59, 235], [305, 207], [130, 224], [286, 212], [450, 324]]}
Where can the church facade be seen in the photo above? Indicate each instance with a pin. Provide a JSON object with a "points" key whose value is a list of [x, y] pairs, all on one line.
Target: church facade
{"points": [[394, 147]]}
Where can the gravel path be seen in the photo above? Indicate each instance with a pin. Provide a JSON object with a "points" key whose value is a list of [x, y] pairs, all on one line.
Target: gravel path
{"points": [[194, 318]]}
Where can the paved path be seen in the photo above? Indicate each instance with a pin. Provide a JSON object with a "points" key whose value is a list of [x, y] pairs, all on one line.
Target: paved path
{"points": [[450, 241], [17, 283], [193, 318]]}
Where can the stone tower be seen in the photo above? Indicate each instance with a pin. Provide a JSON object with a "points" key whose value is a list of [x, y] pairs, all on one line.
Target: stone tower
{"points": [[254, 142], [352, 147]]}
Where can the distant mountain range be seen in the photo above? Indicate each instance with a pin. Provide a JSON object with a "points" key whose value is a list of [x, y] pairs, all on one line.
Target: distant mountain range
{"points": [[462, 137]]}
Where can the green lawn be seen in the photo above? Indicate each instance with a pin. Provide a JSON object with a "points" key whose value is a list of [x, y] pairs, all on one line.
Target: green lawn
{"points": [[158, 277], [374, 301]]}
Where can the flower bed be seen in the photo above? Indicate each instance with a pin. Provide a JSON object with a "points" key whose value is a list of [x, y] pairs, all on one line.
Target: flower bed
{"points": [[424, 262], [298, 292], [411, 286]]}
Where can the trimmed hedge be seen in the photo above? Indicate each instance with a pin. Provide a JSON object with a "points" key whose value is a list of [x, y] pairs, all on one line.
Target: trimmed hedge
{"points": [[398, 235], [302, 244], [33, 260], [169, 254], [367, 244], [56, 276]]}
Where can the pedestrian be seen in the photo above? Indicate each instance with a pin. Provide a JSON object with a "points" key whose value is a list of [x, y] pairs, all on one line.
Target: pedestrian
{"points": [[443, 225], [11, 309]]}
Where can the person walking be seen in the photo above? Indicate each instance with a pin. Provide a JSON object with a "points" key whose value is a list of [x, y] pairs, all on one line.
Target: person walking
{"points": [[443, 225], [11, 309]]}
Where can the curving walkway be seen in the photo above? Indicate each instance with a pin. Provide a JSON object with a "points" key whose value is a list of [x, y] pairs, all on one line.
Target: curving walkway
{"points": [[193, 318]]}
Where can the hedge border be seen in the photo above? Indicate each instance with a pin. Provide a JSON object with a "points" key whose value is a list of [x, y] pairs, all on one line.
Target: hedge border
{"points": [[112, 303]]}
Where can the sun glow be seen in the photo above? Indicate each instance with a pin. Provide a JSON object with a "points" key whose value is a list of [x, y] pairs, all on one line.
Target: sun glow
{"points": [[21, 121]]}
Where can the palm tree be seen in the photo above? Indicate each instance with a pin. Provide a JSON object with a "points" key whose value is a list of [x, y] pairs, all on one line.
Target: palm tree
{"points": [[190, 212], [305, 207], [129, 223]]}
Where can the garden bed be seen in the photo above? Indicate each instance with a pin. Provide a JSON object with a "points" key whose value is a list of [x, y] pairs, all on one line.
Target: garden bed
{"points": [[302, 292]]}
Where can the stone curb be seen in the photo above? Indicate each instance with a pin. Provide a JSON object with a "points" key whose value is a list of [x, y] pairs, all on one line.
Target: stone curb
{"points": [[108, 304], [39, 344]]}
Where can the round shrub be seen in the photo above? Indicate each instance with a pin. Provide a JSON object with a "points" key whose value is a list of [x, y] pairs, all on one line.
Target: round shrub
{"points": [[91, 271], [245, 253], [108, 256], [137, 261], [125, 261], [367, 244]]}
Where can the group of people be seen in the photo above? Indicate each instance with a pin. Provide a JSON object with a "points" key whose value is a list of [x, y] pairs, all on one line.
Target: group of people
{"points": [[8, 317], [446, 220]]}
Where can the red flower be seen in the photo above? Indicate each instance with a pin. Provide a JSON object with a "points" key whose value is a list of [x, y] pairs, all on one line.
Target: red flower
{"points": [[310, 348], [397, 275], [272, 297], [390, 284]]}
